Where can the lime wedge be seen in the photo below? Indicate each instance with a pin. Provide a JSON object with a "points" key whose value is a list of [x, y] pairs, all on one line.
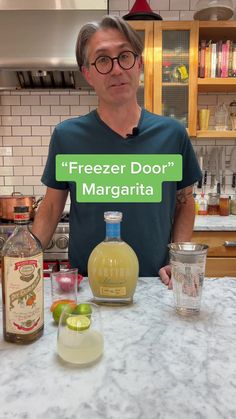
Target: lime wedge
{"points": [[78, 323]]}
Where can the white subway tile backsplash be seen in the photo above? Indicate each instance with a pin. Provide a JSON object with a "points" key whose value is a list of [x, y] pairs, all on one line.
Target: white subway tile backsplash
{"points": [[179, 4], [50, 100], [170, 14], [46, 140], [50, 120], [12, 161], [5, 131], [22, 151], [89, 100], [79, 110], [6, 190], [32, 180], [30, 100], [8, 141], [44, 160], [60, 110], [11, 120], [1, 180], [22, 92], [20, 110], [38, 170], [5, 110], [70, 100], [186, 15], [193, 4], [65, 117], [40, 110], [60, 92], [41, 130], [21, 130], [119, 5], [25, 190], [6, 170], [39, 92], [40, 151], [13, 180], [160, 4], [31, 141], [32, 161], [30, 120], [39, 190], [23, 171], [5, 151], [10, 100]]}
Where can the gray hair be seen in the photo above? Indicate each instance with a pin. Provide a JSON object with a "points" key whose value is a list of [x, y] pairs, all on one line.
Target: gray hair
{"points": [[108, 22]]}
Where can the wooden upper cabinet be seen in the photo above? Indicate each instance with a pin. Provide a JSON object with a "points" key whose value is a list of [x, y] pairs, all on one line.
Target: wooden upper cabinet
{"points": [[170, 84], [145, 92], [175, 71]]}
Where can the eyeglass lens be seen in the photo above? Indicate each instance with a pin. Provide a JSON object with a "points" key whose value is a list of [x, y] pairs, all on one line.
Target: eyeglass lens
{"points": [[125, 59]]}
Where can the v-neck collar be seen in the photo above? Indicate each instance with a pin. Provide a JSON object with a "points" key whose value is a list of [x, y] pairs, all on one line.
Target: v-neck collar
{"points": [[96, 114]]}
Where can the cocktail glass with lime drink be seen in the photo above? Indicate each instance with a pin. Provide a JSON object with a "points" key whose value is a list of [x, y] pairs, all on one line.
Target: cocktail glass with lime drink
{"points": [[80, 336]]}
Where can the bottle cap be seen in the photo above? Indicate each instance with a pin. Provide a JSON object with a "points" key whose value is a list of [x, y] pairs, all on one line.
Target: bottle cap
{"points": [[112, 216], [21, 213]]}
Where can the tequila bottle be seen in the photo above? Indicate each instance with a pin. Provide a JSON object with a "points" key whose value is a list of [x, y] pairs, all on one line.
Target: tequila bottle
{"points": [[113, 266], [22, 282]]}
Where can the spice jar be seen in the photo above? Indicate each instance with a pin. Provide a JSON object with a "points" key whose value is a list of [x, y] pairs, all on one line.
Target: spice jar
{"points": [[233, 205], [213, 203], [224, 208]]}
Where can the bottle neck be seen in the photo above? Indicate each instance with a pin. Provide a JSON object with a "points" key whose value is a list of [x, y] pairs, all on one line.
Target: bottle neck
{"points": [[112, 231], [22, 223]]}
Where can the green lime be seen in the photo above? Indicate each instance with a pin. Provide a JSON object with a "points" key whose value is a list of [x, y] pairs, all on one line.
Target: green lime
{"points": [[59, 309], [78, 323], [83, 308]]}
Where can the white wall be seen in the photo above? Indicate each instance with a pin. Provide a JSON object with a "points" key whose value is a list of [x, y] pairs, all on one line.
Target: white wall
{"points": [[27, 118]]}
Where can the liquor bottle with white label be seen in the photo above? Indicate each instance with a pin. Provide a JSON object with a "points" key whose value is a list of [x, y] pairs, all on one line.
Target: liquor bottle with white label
{"points": [[113, 266], [22, 283]]}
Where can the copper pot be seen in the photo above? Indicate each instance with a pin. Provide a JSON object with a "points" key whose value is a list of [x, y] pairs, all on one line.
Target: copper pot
{"points": [[8, 202]]}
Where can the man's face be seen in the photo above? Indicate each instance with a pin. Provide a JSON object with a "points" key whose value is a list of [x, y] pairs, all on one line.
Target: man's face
{"points": [[118, 86]]}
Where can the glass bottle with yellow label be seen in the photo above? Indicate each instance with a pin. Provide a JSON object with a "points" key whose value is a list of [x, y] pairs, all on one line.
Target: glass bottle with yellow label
{"points": [[113, 266]]}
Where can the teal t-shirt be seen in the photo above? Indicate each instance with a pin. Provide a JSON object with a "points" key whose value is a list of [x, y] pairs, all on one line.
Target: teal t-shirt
{"points": [[146, 227]]}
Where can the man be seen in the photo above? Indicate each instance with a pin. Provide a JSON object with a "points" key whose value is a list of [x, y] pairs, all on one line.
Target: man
{"points": [[109, 56]]}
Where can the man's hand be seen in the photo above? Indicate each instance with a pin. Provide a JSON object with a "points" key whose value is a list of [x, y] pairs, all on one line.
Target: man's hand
{"points": [[165, 276]]}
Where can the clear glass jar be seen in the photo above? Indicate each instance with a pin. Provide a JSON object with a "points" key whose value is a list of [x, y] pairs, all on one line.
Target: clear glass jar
{"points": [[233, 205], [224, 208], [213, 203]]}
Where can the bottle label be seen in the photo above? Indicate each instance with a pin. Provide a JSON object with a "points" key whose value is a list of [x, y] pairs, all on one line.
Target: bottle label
{"points": [[113, 230], [23, 283], [113, 291]]}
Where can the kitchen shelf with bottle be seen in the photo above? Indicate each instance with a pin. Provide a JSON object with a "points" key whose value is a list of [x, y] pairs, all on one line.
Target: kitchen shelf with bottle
{"points": [[177, 43]]}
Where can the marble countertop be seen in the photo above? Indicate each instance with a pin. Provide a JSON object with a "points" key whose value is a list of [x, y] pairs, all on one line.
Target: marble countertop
{"points": [[215, 223], [156, 365]]}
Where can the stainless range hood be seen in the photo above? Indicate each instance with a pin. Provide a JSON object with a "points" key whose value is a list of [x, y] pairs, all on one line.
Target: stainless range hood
{"points": [[37, 42]]}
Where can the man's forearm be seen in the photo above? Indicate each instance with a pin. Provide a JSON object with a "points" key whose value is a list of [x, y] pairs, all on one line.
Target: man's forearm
{"points": [[48, 215], [184, 219]]}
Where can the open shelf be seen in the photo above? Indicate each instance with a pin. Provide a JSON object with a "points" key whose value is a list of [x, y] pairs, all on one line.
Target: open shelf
{"points": [[216, 134], [217, 84]]}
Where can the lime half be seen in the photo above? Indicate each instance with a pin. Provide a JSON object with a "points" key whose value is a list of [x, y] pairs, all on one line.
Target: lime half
{"points": [[83, 308], [78, 323]]}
